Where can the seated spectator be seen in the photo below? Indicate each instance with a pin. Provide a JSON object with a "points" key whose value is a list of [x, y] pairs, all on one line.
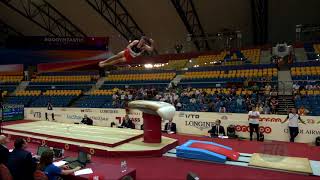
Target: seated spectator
{"points": [[222, 109], [86, 120], [267, 87], [260, 108], [217, 129], [52, 171], [4, 152], [303, 111], [170, 127], [309, 87], [274, 105], [266, 109], [127, 123], [255, 87], [20, 162], [239, 101]]}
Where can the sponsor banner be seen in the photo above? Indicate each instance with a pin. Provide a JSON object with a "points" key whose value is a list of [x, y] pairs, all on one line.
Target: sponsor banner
{"points": [[44, 42], [100, 117], [197, 123], [11, 69]]}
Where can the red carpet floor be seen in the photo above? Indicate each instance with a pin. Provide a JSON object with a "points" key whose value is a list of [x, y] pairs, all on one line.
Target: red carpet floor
{"points": [[176, 169]]}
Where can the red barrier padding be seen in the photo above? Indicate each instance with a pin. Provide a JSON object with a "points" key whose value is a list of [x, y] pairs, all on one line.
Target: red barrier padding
{"points": [[230, 154]]}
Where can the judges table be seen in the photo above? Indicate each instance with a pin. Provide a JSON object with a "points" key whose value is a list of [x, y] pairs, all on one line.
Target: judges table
{"points": [[105, 172], [102, 169]]}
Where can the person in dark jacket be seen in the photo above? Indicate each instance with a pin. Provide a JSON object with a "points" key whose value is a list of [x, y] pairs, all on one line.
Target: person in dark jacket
{"points": [[127, 123], [86, 120], [4, 152], [170, 126], [20, 162], [217, 129]]}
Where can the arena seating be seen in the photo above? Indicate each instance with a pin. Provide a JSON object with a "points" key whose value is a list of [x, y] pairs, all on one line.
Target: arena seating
{"points": [[170, 65], [305, 73], [9, 83], [62, 82], [310, 100], [139, 78], [58, 98], [93, 74], [95, 101], [230, 58], [225, 75], [22, 97], [312, 50]]}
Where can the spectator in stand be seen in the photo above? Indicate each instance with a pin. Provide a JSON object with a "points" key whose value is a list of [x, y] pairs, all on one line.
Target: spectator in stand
{"points": [[267, 87], [193, 100], [309, 87], [4, 152], [266, 109], [239, 101], [178, 105], [255, 88], [274, 105], [296, 87], [260, 108], [303, 111], [20, 162], [222, 109]]}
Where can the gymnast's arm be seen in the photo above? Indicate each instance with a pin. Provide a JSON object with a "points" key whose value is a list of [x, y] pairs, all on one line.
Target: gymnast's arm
{"points": [[132, 44], [149, 48]]}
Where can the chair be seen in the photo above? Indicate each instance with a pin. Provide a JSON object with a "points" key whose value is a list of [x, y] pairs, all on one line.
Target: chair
{"points": [[5, 173]]}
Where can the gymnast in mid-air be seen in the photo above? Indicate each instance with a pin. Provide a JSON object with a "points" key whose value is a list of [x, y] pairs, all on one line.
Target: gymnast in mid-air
{"points": [[134, 49]]}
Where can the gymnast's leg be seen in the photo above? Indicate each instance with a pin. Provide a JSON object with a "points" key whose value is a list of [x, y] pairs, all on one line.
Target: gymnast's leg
{"points": [[118, 58]]}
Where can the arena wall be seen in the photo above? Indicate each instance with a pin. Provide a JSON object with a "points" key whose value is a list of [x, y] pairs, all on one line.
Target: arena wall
{"points": [[196, 123]]}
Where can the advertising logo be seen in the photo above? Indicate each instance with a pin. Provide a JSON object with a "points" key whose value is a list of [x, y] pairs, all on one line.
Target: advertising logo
{"points": [[270, 119], [189, 115], [99, 118], [37, 114], [134, 120], [76, 117], [109, 111], [244, 128], [86, 110], [199, 124]]}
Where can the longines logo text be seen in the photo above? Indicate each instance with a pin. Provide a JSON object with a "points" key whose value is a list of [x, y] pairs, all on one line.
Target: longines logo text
{"points": [[199, 124]]}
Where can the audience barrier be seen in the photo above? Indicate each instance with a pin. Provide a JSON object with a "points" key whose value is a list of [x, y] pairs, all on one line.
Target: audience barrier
{"points": [[195, 123]]}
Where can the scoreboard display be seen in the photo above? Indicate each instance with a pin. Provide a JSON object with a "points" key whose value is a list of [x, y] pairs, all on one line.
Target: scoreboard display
{"points": [[12, 112]]}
